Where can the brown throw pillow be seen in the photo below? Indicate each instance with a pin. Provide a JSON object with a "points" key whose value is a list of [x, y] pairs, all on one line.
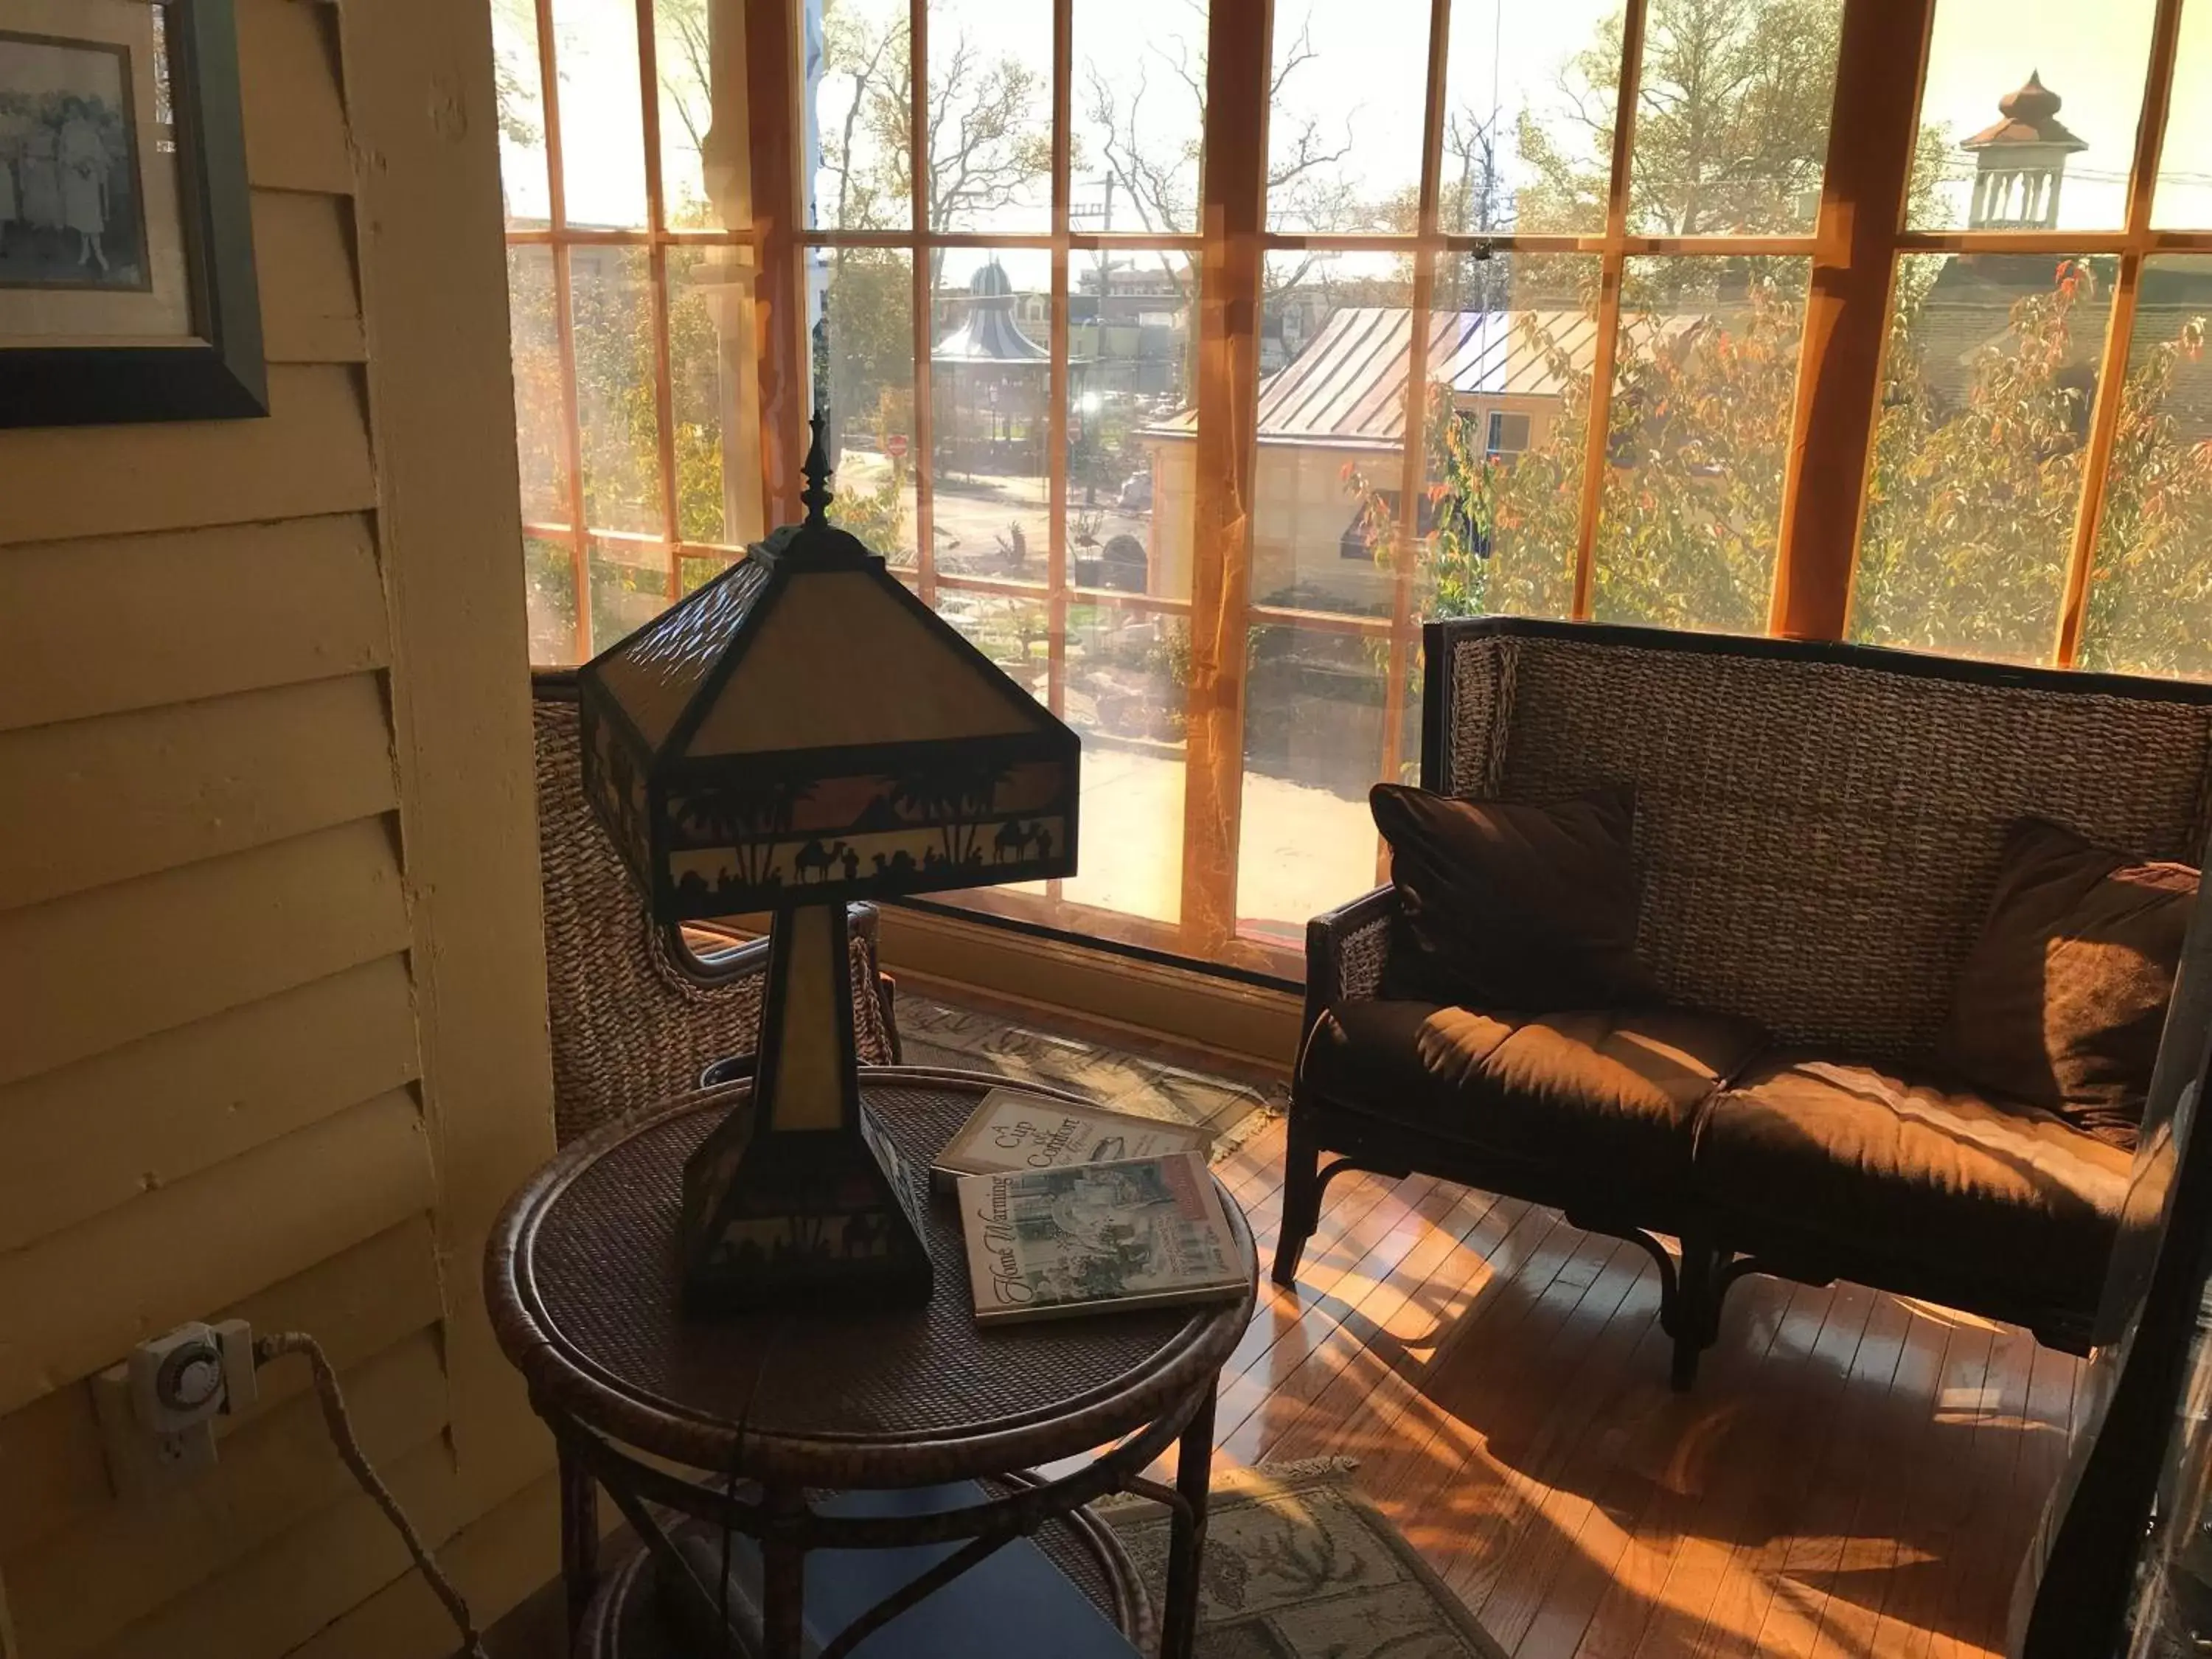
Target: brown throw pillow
{"points": [[1508, 906], [2062, 998]]}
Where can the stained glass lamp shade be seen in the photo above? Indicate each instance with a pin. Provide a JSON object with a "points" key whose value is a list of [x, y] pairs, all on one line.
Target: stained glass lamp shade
{"points": [[800, 732]]}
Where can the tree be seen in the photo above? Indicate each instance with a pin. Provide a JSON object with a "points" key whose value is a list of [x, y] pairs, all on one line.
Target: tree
{"points": [[2150, 608], [989, 137], [1971, 507], [1159, 177], [1731, 124], [988, 141]]}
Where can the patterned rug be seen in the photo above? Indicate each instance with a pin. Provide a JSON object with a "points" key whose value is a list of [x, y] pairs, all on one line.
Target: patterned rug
{"points": [[1299, 1566], [933, 1033]]}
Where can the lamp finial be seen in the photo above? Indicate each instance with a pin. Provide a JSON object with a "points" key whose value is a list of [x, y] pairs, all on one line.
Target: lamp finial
{"points": [[817, 494]]}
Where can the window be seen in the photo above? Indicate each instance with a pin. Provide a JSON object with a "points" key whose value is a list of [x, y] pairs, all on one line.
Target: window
{"points": [[1508, 434], [630, 280], [1545, 273]]}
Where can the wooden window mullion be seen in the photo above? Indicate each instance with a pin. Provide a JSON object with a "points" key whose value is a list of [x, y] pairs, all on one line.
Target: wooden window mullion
{"points": [[1413, 461], [1605, 342], [1880, 61], [1063, 44], [1233, 207], [925, 300], [773, 83], [564, 330], [664, 385], [2112, 376], [1062, 374]]}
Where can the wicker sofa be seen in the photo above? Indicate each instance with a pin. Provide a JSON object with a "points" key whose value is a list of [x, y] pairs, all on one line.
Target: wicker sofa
{"points": [[638, 1017], [1817, 834]]}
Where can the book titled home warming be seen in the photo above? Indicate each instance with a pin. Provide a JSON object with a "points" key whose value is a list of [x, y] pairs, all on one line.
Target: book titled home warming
{"points": [[1097, 1238], [1011, 1129]]}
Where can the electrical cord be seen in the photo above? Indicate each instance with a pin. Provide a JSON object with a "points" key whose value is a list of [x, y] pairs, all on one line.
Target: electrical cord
{"points": [[266, 1348]]}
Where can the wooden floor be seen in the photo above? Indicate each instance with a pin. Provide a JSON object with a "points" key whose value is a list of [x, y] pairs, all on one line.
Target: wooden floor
{"points": [[1854, 1474]]}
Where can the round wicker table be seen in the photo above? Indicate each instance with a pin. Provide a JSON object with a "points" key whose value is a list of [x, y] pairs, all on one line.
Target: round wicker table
{"points": [[744, 1421]]}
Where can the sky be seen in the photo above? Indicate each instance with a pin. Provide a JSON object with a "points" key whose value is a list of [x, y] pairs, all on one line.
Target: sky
{"points": [[1363, 91]]}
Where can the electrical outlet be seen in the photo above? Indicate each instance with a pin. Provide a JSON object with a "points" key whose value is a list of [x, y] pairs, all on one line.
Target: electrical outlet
{"points": [[157, 1409]]}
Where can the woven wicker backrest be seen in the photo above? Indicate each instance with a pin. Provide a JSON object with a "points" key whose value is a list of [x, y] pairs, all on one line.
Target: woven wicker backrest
{"points": [[1818, 828], [632, 1026]]}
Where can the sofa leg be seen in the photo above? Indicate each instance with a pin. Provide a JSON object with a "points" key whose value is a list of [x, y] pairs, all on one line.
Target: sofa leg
{"points": [[1698, 1314], [1302, 1185]]}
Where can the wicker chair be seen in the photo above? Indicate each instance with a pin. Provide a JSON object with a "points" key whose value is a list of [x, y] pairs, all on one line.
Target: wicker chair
{"points": [[637, 1016], [1818, 831]]}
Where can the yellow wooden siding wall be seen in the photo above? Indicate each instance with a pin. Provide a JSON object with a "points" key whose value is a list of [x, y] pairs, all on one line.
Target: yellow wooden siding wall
{"points": [[271, 1004]]}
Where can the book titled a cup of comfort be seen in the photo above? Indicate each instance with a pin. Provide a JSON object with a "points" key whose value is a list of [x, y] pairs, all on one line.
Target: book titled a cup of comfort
{"points": [[1011, 1129], [1079, 1238]]}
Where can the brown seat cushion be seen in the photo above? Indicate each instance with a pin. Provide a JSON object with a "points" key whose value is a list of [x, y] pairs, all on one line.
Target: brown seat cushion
{"points": [[2062, 999], [1610, 1093], [2010, 1197], [1503, 905]]}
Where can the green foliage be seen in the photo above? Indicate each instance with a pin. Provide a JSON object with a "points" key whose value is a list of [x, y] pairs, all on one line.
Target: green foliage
{"points": [[1970, 512], [870, 341], [2150, 609], [1971, 506], [876, 514], [1972, 495]]}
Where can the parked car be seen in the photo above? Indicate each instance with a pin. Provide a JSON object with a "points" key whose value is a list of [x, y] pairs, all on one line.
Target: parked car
{"points": [[1137, 493]]}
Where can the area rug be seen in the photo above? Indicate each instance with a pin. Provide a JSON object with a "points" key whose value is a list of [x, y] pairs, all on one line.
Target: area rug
{"points": [[1299, 1566], [935, 1033]]}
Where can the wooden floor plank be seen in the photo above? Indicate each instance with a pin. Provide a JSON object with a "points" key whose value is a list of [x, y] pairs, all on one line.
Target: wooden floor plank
{"points": [[1853, 1476], [1870, 1553]]}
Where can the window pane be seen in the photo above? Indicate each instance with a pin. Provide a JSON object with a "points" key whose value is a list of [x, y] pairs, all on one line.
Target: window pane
{"points": [[602, 131], [710, 360], [1139, 105], [1997, 151], [521, 112], [610, 295], [1130, 337], [990, 101], [2182, 199], [2150, 605], [1529, 92], [1344, 128], [686, 34], [694, 571], [1332, 426], [1707, 377], [1128, 680], [541, 417], [549, 572], [991, 413], [1732, 119], [866, 349], [1986, 395], [1015, 634], [630, 588], [1313, 745], [1511, 345], [860, 99]]}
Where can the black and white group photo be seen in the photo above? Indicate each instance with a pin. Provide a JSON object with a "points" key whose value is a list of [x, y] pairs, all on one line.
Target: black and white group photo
{"points": [[71, 213]]}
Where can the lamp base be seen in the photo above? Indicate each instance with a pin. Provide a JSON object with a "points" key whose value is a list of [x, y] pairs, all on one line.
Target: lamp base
{"points": [[797, 1198]]}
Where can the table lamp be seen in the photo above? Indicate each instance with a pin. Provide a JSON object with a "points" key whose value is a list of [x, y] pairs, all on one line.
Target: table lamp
{"points": [[800, 732]]}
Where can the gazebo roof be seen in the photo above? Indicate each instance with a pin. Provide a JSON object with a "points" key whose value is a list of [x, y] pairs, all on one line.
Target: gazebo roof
{"points": [[2031, 116], [990, 334]]}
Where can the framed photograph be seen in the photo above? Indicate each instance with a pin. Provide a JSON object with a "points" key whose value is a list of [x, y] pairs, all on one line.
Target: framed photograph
{"points": [[127, 290]]}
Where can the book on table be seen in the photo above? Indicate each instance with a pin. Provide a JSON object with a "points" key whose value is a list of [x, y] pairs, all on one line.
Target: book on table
{"points": [[1084, 1238], [1012, 1129]]}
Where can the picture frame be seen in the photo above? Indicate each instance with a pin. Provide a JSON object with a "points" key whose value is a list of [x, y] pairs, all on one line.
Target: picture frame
{"points": [[127, 284]]}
